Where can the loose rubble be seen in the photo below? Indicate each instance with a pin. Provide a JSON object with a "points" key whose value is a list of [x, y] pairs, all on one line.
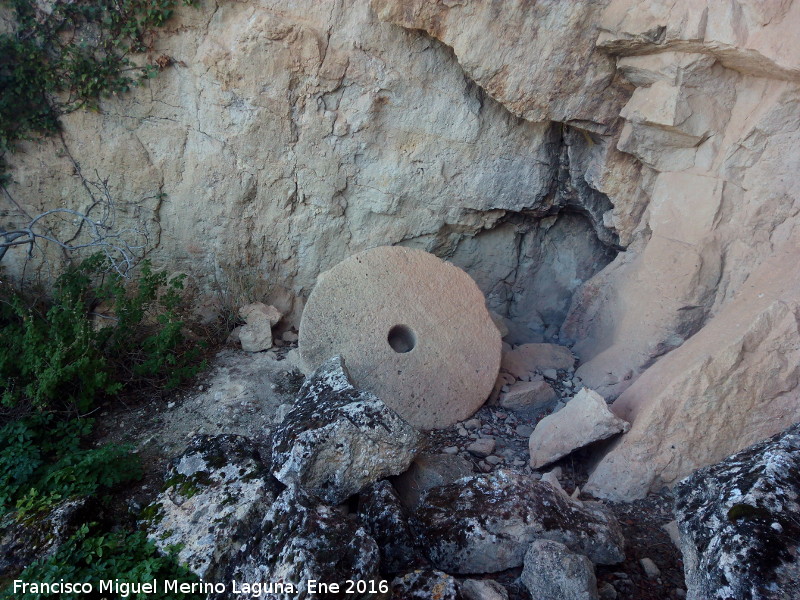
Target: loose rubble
{"points": [[337, 439]]}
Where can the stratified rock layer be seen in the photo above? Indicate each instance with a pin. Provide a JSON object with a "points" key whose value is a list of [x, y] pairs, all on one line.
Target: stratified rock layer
{"points": [[412, 329], [337, 439], [739, 528], [485, 523]]}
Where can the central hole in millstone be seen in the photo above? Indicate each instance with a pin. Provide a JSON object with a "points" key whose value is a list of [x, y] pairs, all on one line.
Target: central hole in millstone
{"points": [[402, 338]]}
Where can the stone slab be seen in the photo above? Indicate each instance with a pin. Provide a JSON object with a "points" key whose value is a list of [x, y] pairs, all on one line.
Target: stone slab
{"points": [[412, 329]]}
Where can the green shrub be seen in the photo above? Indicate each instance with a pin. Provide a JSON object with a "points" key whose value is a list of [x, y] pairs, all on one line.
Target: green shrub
{"points": [[43, 462], [55, 357], [91, 555]]}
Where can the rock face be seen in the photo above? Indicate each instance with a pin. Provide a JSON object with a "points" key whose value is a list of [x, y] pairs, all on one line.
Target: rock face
{"points": [[412, 329], [552, 571], [299, 540], [485, 523], [528, 142], [739, 531], [585, 419], [337, 439], [213, 495]]}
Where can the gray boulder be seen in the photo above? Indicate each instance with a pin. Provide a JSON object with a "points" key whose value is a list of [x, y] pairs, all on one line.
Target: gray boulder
{"points": [[337, 439], [384, 517], [299, 541], [213, 494], [552, 571], [485, 523], [739, 524]]}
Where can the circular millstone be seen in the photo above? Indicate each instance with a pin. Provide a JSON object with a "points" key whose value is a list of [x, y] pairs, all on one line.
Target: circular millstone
{"points": [[412, 329]]}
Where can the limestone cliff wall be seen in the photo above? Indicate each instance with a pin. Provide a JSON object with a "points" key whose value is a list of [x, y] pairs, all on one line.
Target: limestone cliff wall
{"points": [[620, 173]]}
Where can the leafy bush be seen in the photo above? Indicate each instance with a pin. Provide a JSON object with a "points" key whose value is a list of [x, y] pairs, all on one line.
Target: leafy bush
{"points": [[91, 555], [42, 462], [57, 358], [67, 54]]}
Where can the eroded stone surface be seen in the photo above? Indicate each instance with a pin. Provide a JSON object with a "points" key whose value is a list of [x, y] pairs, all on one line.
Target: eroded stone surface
{"points": [[214, 493], [585, 419], [336, 439], [411, 328], [738, 521], [485, 523]]}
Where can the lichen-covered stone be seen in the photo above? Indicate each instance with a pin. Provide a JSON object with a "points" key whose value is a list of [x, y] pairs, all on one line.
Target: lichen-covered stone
{"points": [[485, 523], [385, 518], [38, 536], [298, 541], [552, 571], [213, 494], [337, 439], [425, 584], [739, 524]]}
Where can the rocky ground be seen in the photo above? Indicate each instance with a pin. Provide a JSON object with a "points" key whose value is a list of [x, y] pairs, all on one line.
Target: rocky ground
{"points": [[249, 393]]}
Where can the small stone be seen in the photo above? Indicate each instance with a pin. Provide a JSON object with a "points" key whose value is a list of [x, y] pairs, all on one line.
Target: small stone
{"points": [[472, 424], [462, 432], [550, 374], [553, 571], [575, 493], [607, 592], [493, 459], [425, 583], [650, 568], [529, 398], [170, 405], [482, 447], [483, 589], [679, 593], [524, 431], [450, 450], [484, 467], [289, 336]]}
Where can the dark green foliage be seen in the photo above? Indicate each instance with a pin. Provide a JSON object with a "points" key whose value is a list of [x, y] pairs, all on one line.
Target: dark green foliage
{"points": [[68, 57], [43, 462], [91, 555], [56, 359]]}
